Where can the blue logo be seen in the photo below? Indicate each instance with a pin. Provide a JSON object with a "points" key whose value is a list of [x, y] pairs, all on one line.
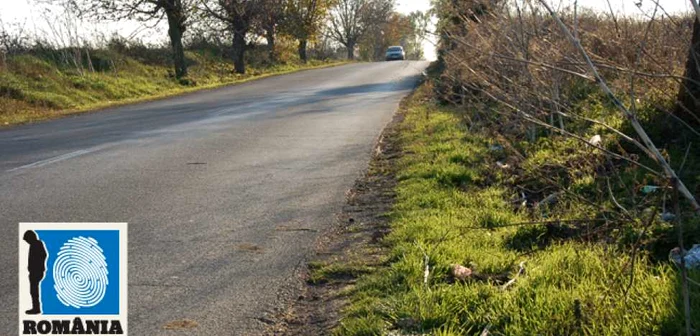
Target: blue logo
{"points": [[73, 271], [79, 278]]}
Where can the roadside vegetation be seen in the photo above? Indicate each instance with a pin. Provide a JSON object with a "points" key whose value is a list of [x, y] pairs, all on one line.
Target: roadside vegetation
{"points": [[454, 206], [527, 200], [40, 85], [44, 74]]}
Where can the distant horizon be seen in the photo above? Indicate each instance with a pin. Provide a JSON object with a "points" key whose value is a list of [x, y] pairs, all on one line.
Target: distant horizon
{"points": [[24, 12]]}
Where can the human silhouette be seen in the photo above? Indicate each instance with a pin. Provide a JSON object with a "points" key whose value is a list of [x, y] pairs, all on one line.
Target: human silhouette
{"points": [[36, 265]]}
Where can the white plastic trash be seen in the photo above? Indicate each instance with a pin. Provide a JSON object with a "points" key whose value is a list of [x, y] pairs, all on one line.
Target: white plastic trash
{"points": [[692, 257]]}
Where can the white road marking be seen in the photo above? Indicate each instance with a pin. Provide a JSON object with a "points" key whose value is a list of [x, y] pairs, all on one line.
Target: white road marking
{"points": [[55, 159]]}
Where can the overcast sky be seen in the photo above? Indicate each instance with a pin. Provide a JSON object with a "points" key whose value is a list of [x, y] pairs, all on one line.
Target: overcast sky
{"points": [[34, 20]]}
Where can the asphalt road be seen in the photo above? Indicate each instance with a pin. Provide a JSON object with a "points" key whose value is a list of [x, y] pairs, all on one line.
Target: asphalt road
{"points": [[224, 191]]}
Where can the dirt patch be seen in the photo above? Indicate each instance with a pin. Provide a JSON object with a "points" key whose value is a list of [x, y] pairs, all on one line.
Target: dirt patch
{"points": [[181, 325], [249, 247], [352, 248]]}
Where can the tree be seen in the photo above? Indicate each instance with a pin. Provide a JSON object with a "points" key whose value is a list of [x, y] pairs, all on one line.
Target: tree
{"points": [[419, 25], [271, 16], [239, 16], [351, 19], [176, 12], [398, 29], [688, 103], [303, 21]]}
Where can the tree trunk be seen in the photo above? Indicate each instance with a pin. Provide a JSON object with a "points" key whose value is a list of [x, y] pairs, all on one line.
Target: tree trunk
{"points": [[239, 47], [270, 37], [688, 104], [351, 50], [175, 30], [377, 53], [302, 50]]}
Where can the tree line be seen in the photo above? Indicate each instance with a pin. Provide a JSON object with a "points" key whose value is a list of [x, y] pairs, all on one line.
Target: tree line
{"points": [[371, 25]]}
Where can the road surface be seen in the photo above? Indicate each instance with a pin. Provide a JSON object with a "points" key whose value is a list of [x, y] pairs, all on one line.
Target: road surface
{"points": [[224, 191]]}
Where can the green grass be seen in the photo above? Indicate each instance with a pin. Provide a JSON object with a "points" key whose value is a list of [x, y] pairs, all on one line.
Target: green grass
{"points": [[453, 206], [37, 87]]}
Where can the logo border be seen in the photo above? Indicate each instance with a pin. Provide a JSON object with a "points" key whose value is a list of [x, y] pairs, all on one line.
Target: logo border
{"points": [[122, 227]]}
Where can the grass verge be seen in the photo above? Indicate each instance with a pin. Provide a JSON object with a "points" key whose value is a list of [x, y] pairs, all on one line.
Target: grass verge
{"points": [[40, 87], [452, 208]]}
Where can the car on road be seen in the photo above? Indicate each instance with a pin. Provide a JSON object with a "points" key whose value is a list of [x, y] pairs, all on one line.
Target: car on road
{"points": [[395, 53]]}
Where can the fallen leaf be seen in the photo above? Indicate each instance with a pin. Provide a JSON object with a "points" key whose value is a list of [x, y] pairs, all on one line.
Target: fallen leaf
{"points": [[460, 272], [249, 247], [181, 324]]}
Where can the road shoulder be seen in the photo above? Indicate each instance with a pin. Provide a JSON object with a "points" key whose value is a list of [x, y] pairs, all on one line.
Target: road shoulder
{"points": [[352, 247]]}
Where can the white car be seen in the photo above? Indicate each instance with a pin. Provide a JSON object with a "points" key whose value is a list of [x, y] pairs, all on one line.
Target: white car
{"points": [[395, 53]]}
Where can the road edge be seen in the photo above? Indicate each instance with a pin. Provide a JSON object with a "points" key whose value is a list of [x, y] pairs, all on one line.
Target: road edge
{"points": [[60, 114], [352, 246]]}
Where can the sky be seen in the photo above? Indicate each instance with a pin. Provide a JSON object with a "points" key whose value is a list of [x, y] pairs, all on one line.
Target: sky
{"points": [[35, 20]]}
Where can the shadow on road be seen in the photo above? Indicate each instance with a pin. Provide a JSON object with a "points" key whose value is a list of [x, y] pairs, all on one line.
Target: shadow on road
{"points": [[143, 121]]}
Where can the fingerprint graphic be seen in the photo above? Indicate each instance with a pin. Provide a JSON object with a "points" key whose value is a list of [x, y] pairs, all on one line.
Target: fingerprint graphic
{"points": [[80, 273]]}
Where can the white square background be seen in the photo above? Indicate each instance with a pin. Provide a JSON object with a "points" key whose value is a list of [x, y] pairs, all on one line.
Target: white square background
{"points": [[25, 300]]}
